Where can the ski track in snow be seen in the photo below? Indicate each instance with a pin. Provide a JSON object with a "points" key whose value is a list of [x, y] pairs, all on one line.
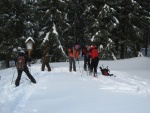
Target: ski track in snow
{"points": [[126, 83], [122, 83]]}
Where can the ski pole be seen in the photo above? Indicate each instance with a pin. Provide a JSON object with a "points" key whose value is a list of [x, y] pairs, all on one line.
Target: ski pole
{"points": [[51, 66], [13, 76], [87, 68], [79, 65], [103, 66], [82, 72], [30, 67]]}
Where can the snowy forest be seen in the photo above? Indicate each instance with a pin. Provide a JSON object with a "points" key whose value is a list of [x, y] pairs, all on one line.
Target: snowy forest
{"points": [[117, 27]]}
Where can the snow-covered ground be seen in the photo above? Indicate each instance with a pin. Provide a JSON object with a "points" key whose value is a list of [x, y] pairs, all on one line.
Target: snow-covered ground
{"points": [[61, 91]]}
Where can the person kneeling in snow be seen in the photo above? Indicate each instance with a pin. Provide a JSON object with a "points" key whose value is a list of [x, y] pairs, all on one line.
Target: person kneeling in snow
{"points": [[21, 65], [105, 71]]}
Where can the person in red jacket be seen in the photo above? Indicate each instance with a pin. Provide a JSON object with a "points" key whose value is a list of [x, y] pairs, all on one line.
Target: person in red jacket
{"points": [[94, 59]]}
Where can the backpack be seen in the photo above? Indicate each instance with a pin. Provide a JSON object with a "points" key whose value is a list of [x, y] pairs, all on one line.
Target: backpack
{"points": [[20, 64]]}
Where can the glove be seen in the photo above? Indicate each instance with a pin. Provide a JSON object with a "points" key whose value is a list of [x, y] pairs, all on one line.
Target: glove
{"points": [[29, 59], [29, 64]]}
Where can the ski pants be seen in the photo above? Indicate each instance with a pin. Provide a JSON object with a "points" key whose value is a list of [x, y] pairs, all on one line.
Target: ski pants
{"points": [[94, 64], [72, 63], [17, 82], [86, 62], [47, 65]]}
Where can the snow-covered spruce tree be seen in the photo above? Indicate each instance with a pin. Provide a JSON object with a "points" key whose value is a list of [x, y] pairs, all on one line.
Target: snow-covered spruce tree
{"points": [[106, 53], [142, 12], [52, 41], [119, 24], [130, 33], [75, 20], [88, 17], [102, 24], [32, 25], [51, 13], [11, 27]]}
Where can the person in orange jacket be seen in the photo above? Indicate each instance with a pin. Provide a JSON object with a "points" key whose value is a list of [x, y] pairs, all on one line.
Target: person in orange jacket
{"points": [[94, 59], [76, 53], [71, 59]]}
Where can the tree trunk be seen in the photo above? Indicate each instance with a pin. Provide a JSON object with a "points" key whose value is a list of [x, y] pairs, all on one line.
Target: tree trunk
{"points": [[122, 51]]}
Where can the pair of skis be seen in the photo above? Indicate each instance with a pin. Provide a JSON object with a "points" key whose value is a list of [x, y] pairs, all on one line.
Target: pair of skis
{"points": [[96, 76]]}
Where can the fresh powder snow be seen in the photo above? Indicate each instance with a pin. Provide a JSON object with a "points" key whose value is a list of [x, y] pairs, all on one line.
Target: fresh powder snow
{"points": [[61, 91]]}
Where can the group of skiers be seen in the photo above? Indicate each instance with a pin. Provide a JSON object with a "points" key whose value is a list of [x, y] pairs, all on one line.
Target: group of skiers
{"points": [[90, 54]]}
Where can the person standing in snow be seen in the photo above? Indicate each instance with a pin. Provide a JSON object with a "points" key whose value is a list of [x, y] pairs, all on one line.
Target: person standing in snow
{"points": [[76, 51], [46, 59], [21, 64], [94, 59], [86, 54], [72, 55]]}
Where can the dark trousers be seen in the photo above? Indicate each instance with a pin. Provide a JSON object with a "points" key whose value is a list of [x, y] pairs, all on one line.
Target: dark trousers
{"points": [[86, 62], [17, 82], [94, 64], [72, 63], [47, 65]]}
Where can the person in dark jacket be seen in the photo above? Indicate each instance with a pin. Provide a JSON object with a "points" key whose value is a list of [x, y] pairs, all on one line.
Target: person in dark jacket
{"points": [[94, 59], [46, 59], [86, 54], [25, 69]]}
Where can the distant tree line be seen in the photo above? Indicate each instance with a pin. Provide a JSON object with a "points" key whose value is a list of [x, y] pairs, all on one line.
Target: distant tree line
{"points": [[121, 27]]}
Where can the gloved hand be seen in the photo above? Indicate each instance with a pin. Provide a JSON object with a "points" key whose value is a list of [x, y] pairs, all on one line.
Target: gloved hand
{"points": [[29, 59], [29, 64]]}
